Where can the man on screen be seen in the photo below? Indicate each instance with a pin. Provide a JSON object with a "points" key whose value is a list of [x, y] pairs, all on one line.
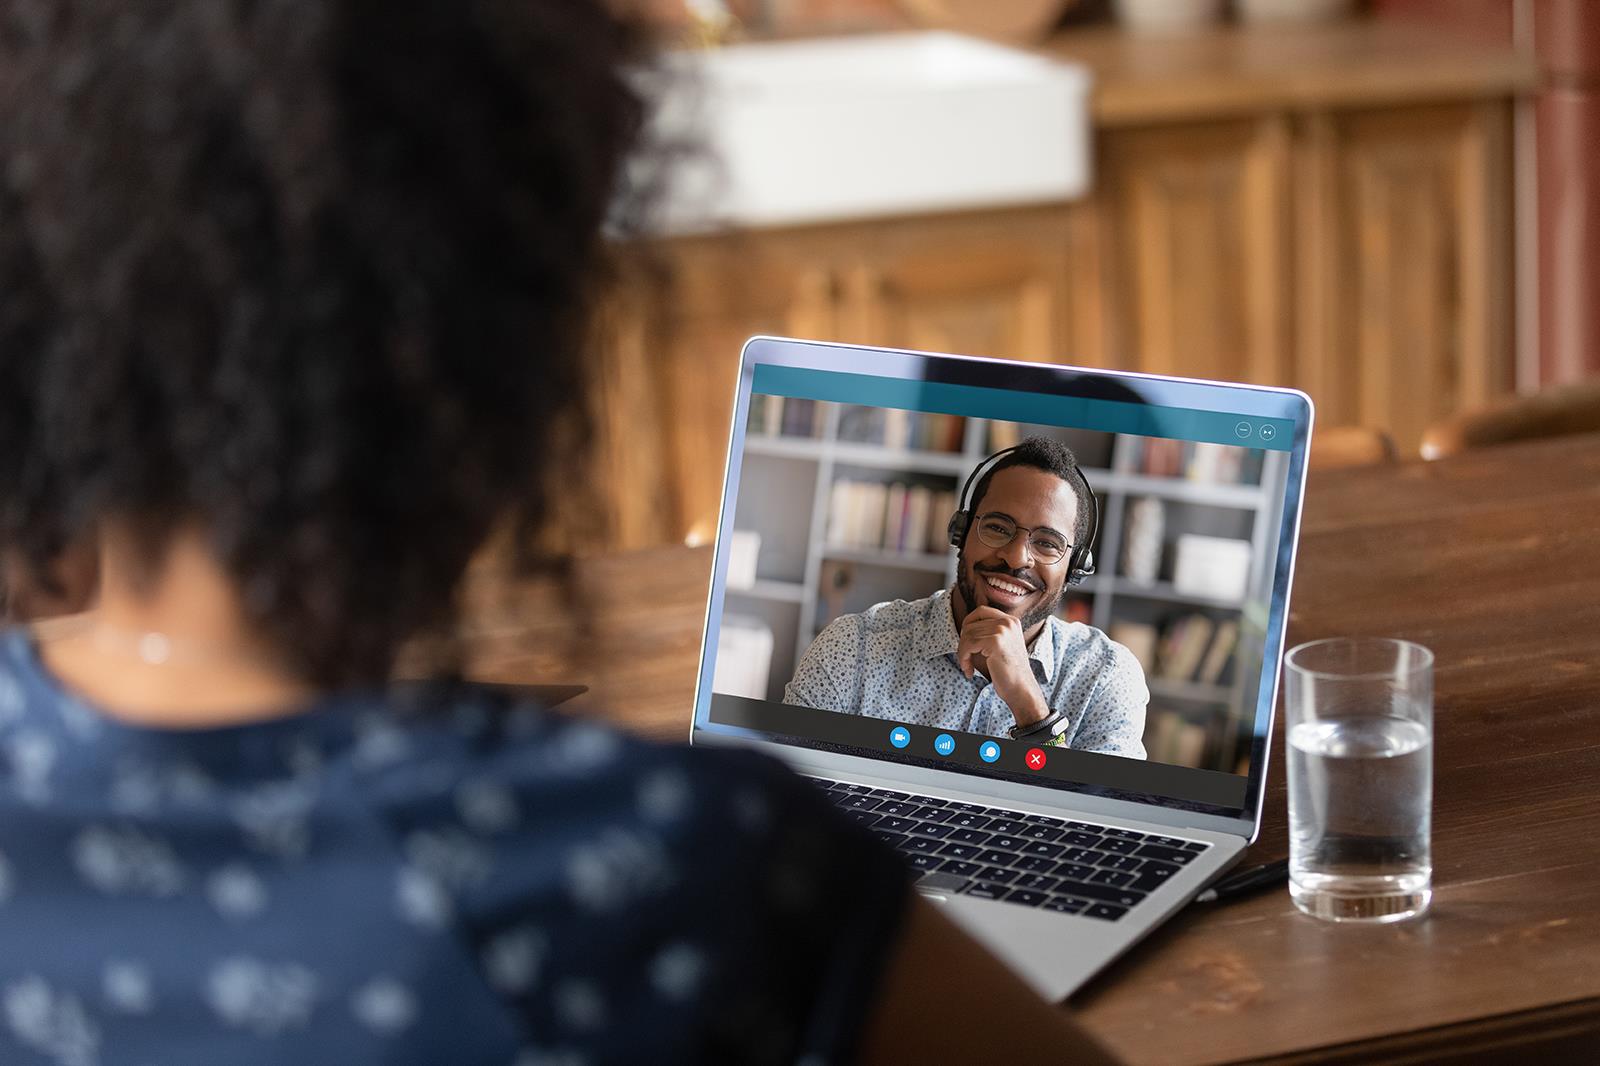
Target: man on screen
{"points": [[989, 655]]}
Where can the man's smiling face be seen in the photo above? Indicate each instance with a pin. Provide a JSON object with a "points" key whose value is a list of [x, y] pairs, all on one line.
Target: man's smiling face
{"points": [[1014, 579]]}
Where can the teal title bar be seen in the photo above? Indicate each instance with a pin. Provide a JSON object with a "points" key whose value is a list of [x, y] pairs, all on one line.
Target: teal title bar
{"points": [[1007, 405]]}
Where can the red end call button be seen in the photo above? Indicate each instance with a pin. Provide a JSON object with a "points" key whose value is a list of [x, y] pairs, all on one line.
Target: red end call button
{"points": [[1034, 758]]}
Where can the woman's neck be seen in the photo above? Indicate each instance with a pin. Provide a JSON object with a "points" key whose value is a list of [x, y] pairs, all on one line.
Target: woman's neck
{"points": [[170, 646]]}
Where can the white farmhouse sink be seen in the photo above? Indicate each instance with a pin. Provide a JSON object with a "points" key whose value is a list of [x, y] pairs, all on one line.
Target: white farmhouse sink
{"points": [[811, 131]]}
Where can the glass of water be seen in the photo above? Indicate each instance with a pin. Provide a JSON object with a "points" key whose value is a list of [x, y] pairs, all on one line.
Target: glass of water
{"points": [[1360, 739]]}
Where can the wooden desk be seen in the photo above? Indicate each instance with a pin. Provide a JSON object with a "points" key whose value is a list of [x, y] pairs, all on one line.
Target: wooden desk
{"points": [[1492, 559]]}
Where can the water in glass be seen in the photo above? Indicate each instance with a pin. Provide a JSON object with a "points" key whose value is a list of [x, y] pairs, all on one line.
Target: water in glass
{"points": [[1359, 802]]}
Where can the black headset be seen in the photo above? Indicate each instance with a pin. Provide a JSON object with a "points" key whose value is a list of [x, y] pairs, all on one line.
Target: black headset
{"points": [[1080, 563]]}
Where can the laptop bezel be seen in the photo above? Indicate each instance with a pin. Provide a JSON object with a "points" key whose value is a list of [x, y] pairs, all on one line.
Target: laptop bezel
{"points": [[1159, 390]]}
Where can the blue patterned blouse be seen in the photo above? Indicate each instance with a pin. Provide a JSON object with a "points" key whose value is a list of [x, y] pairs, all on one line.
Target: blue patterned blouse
{"points": [[448, 881]]}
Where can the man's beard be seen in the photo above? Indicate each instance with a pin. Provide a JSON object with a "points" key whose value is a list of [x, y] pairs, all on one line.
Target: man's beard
{"points": [[969, 593]]}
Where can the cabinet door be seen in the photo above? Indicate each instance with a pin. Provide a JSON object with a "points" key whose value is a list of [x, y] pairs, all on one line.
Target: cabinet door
{"points": [[1194, 223], [1405, 265], [990, 284]]}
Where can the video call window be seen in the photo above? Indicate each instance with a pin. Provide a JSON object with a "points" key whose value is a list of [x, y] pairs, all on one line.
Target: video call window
{"points": [[844, 507]]}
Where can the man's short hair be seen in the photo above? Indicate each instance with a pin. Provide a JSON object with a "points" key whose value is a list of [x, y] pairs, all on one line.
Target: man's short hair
{"points": [[1051, 456]]}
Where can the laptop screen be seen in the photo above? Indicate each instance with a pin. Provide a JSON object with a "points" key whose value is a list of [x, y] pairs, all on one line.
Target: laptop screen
{"points": [[1065, 577]]}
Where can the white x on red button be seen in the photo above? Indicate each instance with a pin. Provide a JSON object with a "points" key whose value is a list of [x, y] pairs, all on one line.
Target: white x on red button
{"points": [[1035, 758]]}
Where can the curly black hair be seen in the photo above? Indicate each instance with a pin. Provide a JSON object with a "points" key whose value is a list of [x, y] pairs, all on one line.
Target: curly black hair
{"points": [[1051, 456], [308, 275]]}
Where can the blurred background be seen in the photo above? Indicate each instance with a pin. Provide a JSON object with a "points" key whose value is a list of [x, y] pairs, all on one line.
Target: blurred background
{"points": [[1391, 204]]}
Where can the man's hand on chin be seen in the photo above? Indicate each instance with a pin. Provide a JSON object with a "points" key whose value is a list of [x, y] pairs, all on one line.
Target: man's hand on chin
{"points": [[992, 641]]}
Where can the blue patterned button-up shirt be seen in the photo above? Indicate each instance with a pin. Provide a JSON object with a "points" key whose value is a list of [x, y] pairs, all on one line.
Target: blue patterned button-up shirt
{"points": [[451, 881]]}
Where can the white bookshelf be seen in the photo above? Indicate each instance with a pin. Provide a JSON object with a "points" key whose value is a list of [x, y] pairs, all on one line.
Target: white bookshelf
{"points": [[785, 493]]}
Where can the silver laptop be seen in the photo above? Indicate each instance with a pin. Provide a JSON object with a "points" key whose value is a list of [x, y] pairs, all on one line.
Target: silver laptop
{"points": [[1023, 621]]}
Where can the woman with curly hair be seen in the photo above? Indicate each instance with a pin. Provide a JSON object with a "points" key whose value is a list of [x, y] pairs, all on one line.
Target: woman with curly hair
{"points": [[292, 298]]}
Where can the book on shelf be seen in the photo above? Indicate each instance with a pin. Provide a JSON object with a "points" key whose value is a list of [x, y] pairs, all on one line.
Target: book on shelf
{"points": [[902, 430], [1172, 739], [892, 517], [801, 418], [1215, 664], [1004, 435], [1141, 639], [1182, 647], [1190, 647], [1216, 464]]}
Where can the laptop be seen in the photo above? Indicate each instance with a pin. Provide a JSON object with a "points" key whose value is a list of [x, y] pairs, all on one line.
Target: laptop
{"points": [[847, 544]]}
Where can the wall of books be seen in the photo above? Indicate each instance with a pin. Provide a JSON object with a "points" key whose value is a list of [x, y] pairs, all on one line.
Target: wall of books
{"points": [[844, 506]]}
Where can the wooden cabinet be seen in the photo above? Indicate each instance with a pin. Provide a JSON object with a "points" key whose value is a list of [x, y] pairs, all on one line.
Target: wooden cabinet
{"points": [[1327, 209]]}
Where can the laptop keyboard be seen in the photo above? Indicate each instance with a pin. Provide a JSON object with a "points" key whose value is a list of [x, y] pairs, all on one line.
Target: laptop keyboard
{"points": [[1028, 859]]}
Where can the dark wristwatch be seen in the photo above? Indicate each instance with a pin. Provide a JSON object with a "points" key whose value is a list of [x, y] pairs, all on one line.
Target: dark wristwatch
{"points": [[1050, 726]]}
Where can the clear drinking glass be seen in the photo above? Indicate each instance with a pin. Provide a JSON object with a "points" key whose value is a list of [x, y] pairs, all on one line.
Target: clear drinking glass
{"points": [[1360, 740]]}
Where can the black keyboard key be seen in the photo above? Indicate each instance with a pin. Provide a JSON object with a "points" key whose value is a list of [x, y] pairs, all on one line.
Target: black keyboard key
{"points": [[1104, 910], [998, 875], [922, 844], [959, 868], [1083, 855], [924, 862], [1034, 882], [968, 820], [866, 817], [858, 802], [1114, 878], [992, 857], [931, 801], [1153, 876], [847, 787], [1074, 871], [1172, 855], [931, 814], [898, 808], [1064, 904], [1105, 859], [1035, 864], [894, 840], [966, 836], [1194, 845], [1084, 827], [930, 829], [1007, 826], [1007, 843], [986, 890], [1025, 897], [1118, 845], [968, 808], [1122, 897], [1127, 834], [959, 851], [1042, 832], [1166, 842], [1122, 862], [1080, 839], [1058, 823], [884, 793], [1043, 849], [895, 825]]}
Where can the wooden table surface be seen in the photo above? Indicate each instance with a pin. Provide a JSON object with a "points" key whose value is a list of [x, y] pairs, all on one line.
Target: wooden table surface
{"points": [[1492, 559]]}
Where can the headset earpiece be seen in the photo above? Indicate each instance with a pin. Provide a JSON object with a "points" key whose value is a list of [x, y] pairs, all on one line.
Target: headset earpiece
{"points": [[957, 529]]}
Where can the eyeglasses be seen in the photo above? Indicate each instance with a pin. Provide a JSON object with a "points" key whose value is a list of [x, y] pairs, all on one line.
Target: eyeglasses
{"points": [[997, 530]]}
